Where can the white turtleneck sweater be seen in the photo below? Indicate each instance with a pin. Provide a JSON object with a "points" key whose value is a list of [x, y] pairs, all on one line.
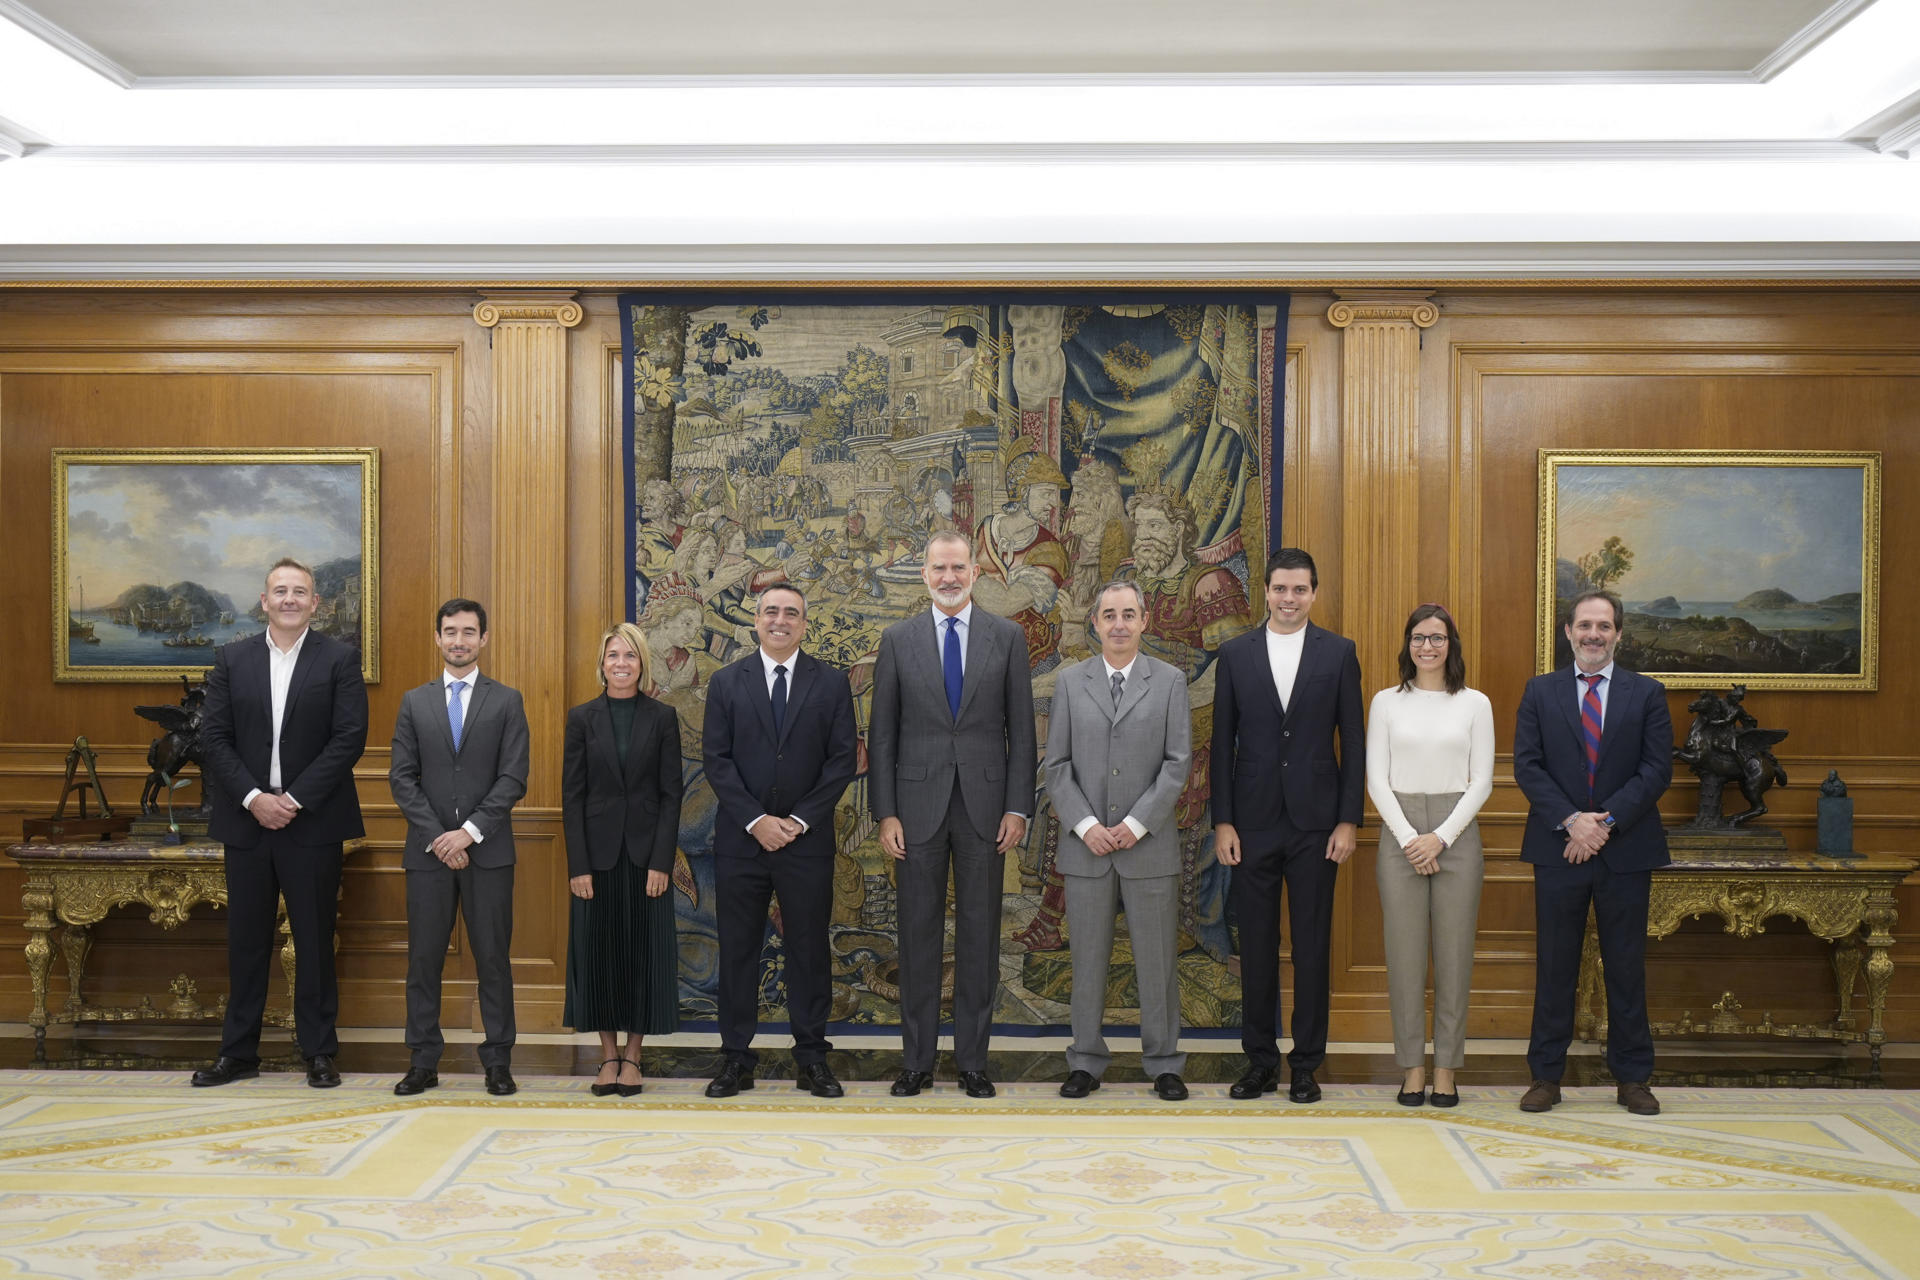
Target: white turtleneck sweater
{"points": [[1422, 742]]}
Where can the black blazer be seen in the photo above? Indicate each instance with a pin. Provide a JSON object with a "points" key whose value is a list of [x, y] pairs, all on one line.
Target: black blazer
{"points": [[801, 775], [323, 732], [1267, 764], [606, 808], [1636, 766]]}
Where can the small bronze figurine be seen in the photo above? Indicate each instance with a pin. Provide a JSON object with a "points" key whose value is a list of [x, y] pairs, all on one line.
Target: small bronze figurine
{"points": [[1725, 744], [175, 749]]}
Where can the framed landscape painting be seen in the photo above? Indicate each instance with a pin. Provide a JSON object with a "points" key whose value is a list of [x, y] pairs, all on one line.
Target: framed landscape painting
{"points": [[1757, 568], [160, 555]]}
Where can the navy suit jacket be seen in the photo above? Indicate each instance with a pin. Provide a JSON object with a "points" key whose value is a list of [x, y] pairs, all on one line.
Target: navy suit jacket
{"points": [[323, 732], [1636, 765], [1268, 764], [801, 774]]}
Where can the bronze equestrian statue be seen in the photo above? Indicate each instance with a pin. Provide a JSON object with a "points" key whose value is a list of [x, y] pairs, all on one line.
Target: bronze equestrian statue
{"points": [[1725, 744]]}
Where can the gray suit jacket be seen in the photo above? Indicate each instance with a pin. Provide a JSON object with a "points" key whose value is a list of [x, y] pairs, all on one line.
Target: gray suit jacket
{"points": [[918, 751], [1109, 764], [438, 788]]}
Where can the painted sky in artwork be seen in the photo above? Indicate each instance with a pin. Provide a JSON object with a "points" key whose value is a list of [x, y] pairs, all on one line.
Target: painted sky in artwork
{"points": [[217, 525], [1718, 533]]}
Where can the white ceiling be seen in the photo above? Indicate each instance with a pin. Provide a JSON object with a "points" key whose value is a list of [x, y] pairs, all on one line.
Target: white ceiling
{"points": [[1006, 138], [248, 38]]}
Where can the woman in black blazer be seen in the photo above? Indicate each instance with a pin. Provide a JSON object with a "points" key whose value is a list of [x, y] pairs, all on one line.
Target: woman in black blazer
{"points": [[620, 796]]}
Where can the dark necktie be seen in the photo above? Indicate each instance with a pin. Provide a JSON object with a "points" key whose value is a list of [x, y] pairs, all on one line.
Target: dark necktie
{"points": [[950, 663], [1590, 725], [779, 701], [1119, 683], [455, 717]]}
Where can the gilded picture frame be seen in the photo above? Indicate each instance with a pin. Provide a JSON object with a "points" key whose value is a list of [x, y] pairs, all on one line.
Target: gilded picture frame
{"points": [[159, 555], [1757, 567]]}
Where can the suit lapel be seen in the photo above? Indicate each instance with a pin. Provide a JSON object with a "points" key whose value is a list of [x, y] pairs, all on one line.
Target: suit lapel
{"points": [[753, 678], [802, 666], [981, 648], [1099, 688], [302, 668], [477, 689], [602, 721], [1310, 646], [1616, 702], [1566, 692], [1134, 689], [1262, 662], [925, 660]]}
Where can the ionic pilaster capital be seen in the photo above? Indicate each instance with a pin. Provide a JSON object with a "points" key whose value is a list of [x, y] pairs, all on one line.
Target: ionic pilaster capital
{"points": [[530, 307], [1383, 306]]}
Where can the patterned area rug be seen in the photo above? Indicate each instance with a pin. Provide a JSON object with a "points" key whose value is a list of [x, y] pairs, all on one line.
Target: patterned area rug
{"points": [[127, 1175]]}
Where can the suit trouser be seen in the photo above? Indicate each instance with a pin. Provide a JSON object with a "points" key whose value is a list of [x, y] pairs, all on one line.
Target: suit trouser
{"points": [[1442, 911], [1153, 905], [308, 877], [1298, 860], [484, 896], [976, 866], [1562, 893], [745, 888]]}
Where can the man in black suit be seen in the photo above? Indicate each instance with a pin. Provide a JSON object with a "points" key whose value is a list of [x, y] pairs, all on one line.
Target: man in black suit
{"points": [[1286, 811], [459, 765], [1592, 752], [780, 747], [284, 722]]}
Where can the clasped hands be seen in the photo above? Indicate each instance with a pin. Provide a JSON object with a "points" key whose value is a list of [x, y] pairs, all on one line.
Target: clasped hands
{"points": [[451, 847], [1586, 833], [776, 833], [1226, 843], [1105, 840], [273, 811], [893, 836]]}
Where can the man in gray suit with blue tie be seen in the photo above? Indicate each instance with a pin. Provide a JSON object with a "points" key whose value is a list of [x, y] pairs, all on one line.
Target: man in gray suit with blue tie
{"points": [[459, 766], [951, 758], [1118, 745]]}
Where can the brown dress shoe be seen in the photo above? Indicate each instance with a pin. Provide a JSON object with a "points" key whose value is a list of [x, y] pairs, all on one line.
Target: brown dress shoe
{"points": [[1541, 1096], [1638, 1099]]}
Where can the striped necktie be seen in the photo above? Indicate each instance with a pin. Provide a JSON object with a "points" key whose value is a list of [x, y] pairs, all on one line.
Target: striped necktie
{"points": [[1590, 725]]}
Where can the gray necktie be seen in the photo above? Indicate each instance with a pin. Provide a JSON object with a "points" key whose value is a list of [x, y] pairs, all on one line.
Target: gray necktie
{"points": [[1118, 681]]}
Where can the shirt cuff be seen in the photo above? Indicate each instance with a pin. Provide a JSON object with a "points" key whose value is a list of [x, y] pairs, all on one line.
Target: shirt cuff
{"points": [[753, 824], [804, 828], [1083, 826], [473, 831], [290, 800], [1015, 813], [1133, 825], [248, 802]]}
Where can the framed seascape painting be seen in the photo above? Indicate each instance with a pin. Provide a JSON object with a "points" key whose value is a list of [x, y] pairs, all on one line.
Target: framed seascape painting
{"points": [[1756, 567], [159, 555], [819, 438]]}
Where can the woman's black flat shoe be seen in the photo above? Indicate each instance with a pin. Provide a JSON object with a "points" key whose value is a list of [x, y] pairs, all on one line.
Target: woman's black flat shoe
{"points": [[606, 1090], [1445, 1099], [629, 1090], [1417, 1098]]}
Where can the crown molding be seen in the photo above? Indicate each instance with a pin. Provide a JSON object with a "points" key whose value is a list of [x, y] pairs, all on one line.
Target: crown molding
{"points": [[1895, 130], [1808, 38], [1302, 266], [30, 21], [14, 140], [1041, 153]]}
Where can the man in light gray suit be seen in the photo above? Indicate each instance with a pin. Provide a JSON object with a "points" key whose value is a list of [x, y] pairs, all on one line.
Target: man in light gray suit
{"points": [[459, 766], [950, 745], [1118, 746]]}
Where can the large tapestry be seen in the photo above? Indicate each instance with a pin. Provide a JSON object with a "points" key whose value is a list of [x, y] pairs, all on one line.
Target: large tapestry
{"points": [[819, 439]]}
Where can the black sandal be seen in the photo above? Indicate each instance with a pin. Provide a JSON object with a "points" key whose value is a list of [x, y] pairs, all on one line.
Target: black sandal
{"points": [[629, 1090], [607, 1090]]}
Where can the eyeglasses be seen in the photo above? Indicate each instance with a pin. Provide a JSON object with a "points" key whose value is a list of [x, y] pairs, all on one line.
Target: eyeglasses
{"points": [[1431, 642]]}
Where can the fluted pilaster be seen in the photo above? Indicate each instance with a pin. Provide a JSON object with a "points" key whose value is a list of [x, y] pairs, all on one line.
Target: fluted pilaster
{"points": [[1379, 425], [527, 603]]}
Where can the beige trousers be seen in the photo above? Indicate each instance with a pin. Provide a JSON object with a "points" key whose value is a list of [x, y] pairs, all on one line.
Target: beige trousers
{"points": [[1435, 914]]}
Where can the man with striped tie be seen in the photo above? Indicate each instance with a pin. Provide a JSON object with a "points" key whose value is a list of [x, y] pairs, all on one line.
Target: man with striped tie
{"points": [[1592, 752]]}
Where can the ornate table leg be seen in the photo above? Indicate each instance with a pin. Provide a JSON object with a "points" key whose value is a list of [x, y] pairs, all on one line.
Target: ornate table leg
{"points": [[36, 900], [1586, 1024], [1847, 959], [76, 941], [286, 966], [1879, 920]]}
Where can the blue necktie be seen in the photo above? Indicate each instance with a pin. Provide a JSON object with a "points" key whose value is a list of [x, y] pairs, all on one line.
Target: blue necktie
{"points": [[779, 702], [950, 663], [454, 718]]}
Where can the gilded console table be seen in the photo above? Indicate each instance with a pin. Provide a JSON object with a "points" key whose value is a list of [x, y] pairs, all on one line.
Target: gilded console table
{"points": [[75, 885], [1849, 903]]}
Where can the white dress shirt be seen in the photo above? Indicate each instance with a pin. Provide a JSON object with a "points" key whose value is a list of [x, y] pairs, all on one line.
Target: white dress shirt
{"points": [[767, 665], [279, 679], [466, 705], [1134, 825], [1580, 689], [1283, 656], [965, 617]]}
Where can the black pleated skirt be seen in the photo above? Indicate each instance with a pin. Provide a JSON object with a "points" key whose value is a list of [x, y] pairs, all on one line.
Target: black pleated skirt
{"points": [[622, 957]]}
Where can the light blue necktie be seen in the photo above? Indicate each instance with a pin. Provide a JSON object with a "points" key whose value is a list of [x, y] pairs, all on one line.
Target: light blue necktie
{"points": [[454, 717], [950, 663]]}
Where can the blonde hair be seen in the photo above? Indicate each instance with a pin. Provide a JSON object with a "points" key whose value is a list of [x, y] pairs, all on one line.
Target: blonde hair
{"points": [[636, 639]]}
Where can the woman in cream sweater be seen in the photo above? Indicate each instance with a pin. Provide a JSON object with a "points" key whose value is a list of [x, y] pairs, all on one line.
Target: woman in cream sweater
{"points": [[1429, 769]]}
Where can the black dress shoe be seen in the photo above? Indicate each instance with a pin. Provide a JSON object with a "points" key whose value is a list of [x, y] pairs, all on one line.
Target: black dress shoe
{"points": [[417, 1080], [1254, 1082], [1304, 1088], [1170, 1086], [1440, 1099], [500, 1082], [1078, 1084], [225, 1071], [320, 1072], [1418, 1098], [817, 1078], [635, 1090], [611, 1087], [731, 1079], [909, 1083], [976, 1084]]}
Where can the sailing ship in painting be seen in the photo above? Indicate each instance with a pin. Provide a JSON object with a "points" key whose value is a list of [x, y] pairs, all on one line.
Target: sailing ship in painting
{"points": [[169, 626]]}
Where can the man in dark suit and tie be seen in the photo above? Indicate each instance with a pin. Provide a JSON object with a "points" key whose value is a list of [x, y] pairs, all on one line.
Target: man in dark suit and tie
{"points": [[951, 759], [780, 749], [285, 720], [1286, 811], [459, 766], [1592, 752]]}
